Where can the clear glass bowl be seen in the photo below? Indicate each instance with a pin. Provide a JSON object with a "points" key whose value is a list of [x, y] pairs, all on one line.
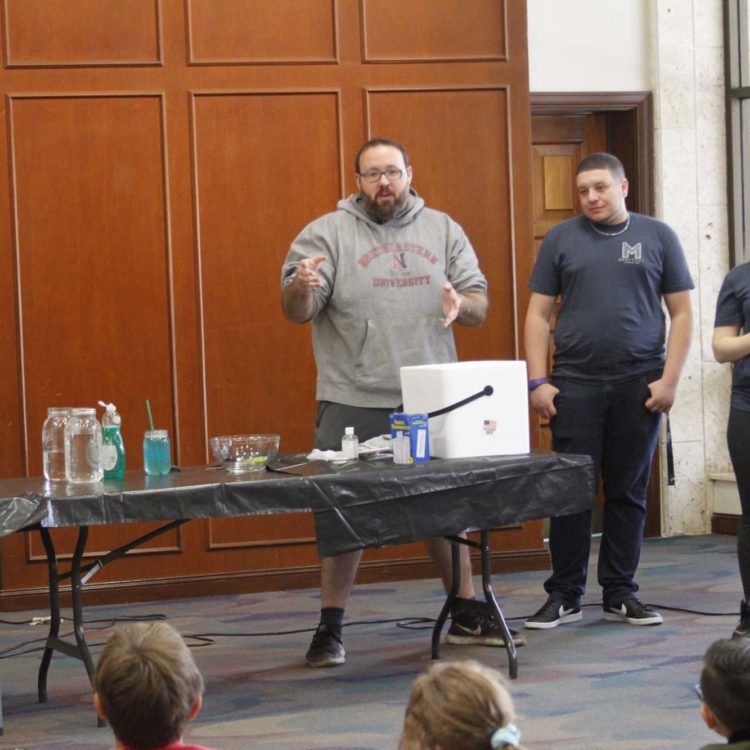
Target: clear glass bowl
{"points": [[242, 454]]}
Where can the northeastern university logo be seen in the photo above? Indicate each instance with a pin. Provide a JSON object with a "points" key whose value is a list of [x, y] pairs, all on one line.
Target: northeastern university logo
{"points": [[631, 254], [397, 271]]}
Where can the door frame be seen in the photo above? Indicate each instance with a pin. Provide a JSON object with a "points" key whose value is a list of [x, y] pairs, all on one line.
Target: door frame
{"points": [[630, 135], [629, 127]]}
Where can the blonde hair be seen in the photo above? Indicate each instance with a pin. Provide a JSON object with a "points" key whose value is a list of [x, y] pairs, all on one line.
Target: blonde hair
{"points": [[456, 706], [147, 684]]}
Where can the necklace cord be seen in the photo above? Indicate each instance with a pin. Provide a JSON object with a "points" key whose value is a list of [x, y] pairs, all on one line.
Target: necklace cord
{"points": [[610, 234]]}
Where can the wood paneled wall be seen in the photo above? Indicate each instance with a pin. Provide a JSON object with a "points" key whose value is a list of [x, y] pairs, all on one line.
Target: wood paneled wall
{"points": [[160, 156]]}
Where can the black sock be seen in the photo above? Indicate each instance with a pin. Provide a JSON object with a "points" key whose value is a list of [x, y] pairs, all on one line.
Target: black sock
{"points": [[461, 605], [332, 618]]}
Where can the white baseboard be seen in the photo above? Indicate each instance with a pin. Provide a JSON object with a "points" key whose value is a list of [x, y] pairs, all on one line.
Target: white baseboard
{"points": [[726, 497]]}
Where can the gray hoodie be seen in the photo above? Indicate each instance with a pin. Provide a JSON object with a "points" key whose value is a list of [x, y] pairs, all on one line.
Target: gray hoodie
{"points": [[380, 305]]}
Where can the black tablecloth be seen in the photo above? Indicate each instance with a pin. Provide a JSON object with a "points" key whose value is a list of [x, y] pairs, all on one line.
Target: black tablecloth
{"points": [[367, 503]]}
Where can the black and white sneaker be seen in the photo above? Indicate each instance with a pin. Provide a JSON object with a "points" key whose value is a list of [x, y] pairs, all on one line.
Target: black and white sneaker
{"points": [[743, 626], [326, 649], [632, 611], [475, 625], [551, 614]]}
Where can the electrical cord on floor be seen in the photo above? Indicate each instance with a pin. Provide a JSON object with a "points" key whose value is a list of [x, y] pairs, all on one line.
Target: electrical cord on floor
{"points": [[9, 653], [103, 624], [736, 612], [128, 618], [12, 652], [400, 622], [209, 639], [202, 639], [427, 623], [600, 605], [121, 618]]}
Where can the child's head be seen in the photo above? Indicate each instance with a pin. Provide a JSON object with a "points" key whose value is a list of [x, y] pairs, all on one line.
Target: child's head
{"points": [[725, 685], [147, 685], [459, 706]]}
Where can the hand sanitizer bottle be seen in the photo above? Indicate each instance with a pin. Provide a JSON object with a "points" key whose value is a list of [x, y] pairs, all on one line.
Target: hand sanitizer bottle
{"points": [[113, 448], [350, 444]]}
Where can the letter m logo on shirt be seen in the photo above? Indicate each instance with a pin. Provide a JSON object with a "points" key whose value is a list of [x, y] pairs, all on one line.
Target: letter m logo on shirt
{"points": [[631, 253]]}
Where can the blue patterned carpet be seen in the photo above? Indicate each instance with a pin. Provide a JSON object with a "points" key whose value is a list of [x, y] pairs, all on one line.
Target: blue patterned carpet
{"points": [[592, 684]]}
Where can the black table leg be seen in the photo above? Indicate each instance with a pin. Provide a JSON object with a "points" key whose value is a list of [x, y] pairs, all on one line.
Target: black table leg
{"points": [[75, 590], [451, 598], [489, 596], [484, 547], [54, 643], [79, 574], [54, 613]]}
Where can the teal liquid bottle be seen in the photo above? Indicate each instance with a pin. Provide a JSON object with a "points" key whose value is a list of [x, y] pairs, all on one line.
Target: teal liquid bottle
{"points": [[113, 448]]}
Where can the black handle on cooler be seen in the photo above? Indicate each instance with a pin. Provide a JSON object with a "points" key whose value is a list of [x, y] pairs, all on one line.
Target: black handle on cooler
{"points": [[488, 390]]}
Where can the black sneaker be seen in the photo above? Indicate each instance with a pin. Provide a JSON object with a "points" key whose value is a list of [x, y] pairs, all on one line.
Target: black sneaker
{"points": [[326, 649], [475, 625], [743, 626], [632, 611], [552, 613]]}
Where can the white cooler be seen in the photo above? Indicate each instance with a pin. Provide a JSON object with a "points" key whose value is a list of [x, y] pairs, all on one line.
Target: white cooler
{"points": [[490, 425]]}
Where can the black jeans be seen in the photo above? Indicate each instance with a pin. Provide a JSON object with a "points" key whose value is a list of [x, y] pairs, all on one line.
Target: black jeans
{"points": [[738, 440], [610, 423]]}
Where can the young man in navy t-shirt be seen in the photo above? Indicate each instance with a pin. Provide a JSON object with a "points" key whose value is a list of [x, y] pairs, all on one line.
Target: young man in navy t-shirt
{"points": [[610, 380]]}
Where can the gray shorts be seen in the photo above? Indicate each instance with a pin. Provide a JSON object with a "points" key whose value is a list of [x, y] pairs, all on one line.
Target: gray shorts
{"points": [[333, 418]]}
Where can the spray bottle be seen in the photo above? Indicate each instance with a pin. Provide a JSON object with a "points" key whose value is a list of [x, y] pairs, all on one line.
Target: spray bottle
{"points": [[113, 448]]}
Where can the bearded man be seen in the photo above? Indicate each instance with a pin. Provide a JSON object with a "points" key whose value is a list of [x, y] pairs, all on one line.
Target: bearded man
{"points": [[381, 279]]}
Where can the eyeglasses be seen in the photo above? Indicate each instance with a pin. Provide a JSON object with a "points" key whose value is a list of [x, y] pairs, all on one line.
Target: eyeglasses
{"points": [[699, 692], [374, 175]]}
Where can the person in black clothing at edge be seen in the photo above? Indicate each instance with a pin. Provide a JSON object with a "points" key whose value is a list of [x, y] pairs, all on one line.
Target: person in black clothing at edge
{"points": [[731, 343], [610, 381]]}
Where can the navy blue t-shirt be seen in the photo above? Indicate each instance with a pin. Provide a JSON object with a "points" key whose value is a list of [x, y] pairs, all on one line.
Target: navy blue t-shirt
{"points": [[610, 325], [733, 309]]}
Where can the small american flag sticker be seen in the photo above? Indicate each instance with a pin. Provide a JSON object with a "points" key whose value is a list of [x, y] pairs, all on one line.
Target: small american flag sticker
{"points": [[490, 425]]}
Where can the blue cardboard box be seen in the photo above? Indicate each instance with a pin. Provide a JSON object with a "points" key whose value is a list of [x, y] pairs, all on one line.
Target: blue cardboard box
{"points": [[411, 438]]}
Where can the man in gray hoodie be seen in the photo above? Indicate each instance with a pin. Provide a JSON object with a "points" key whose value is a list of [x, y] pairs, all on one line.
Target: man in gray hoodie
{"points": [[381, 279]]}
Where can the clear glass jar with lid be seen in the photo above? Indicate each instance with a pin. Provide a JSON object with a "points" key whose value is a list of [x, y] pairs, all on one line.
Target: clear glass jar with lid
{"points": [[83, 446], [53, 443]]}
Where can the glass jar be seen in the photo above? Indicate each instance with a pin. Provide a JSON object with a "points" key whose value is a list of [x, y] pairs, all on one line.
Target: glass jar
{"points": [[83, 447], [156, 452], [53, 443]]}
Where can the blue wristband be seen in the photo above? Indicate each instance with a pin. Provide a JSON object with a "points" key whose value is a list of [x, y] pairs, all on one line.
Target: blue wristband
{"points": [[536, 382]]}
